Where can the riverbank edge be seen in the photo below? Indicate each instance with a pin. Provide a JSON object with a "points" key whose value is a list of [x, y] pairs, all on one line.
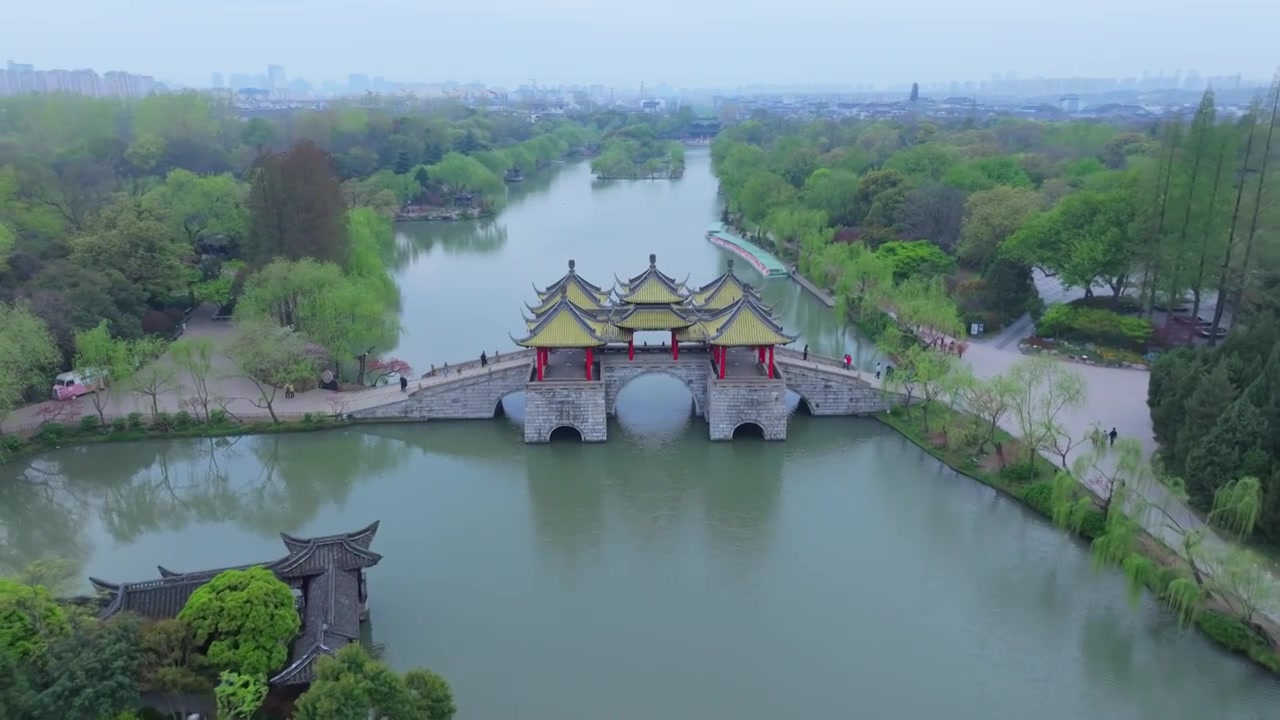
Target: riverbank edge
{"points": [[1223, 630], [75, 437]]}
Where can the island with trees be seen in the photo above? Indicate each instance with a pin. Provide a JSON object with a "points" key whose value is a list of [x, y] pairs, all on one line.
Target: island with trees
{"points": [[637, 152], [922, 229]]}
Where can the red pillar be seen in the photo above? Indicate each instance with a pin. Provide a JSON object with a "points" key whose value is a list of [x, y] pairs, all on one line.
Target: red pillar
{"points": [[541, 361], [771, 361], [723, 354], [761, 354], [631, 348], [675, 347], [589, 363]]}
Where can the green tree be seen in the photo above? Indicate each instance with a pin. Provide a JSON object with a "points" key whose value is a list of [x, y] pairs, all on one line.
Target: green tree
{"points": [[271, 357], [171, 664], [153, 379], [833, 192], [113, 358], [134, 242], [460, 174], [198, 207], [31, 622], [1085, 239], [916, 259], [93, 672], [194, 360], [1044, 390], [430, 694], [245, 619], [353, 686], [27, 354], [239, 696], [991, 216]]}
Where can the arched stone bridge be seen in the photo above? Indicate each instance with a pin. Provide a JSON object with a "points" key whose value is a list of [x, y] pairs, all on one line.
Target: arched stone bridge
{"points": [[748, 396]]}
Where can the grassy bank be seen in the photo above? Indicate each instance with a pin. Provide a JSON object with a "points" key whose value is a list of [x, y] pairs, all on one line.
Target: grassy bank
{"points": [[1032, 486], [165, 426]]}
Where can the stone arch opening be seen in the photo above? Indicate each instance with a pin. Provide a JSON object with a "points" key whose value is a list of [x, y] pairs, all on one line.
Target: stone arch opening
{"points": [[798, 404], [510, 405], [748, 430], [565, 433], [694, 393]]}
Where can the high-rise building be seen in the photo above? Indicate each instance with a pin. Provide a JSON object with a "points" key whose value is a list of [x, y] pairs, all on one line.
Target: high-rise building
{"points": [[276, 79], [215, 82]]}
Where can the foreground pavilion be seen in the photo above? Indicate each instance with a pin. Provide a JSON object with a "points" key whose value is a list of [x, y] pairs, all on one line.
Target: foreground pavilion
{"points": [[327, 574]]}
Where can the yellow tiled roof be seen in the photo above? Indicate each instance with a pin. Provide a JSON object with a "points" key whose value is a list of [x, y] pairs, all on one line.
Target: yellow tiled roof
{"points": [[652, 287], [580, 297], [746, 323], [654, 317], [564, 326], [581, 292]]}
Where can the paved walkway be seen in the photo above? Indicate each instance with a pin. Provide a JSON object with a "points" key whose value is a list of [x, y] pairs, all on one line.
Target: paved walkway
{"points": [[1117, 397], [230, 389]]}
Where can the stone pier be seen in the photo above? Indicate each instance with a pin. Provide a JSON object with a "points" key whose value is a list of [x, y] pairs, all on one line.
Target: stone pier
{"points": [[553, 404]]}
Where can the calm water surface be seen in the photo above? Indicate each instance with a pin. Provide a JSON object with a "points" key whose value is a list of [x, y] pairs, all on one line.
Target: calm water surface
{"points": [[842, 573]]}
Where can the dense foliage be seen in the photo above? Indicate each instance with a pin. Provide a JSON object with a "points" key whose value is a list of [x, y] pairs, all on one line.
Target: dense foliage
{"points": [[353, 686], [59, 662], [1165, 214], [637, 152], [244, 621], [1216, 415]]}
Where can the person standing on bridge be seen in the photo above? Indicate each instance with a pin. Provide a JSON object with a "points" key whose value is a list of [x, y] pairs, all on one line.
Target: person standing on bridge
{"points": [[806, 353], [848, 361], [878, 364], [484, 360], [404, 384]]}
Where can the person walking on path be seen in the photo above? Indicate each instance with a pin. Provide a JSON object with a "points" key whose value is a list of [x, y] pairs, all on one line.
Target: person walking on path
{"points": [[806, 353], [404, 384], [288, 390], [1112, 435], [878, 364], [484, 360]]}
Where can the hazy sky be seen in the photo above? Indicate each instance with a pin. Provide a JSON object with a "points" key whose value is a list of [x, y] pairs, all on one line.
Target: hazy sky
{"points": [[621, 43]]}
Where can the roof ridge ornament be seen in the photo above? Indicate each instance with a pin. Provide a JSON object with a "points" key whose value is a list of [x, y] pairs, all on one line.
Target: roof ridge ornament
{"points": [[653, 260], [571, 266]]}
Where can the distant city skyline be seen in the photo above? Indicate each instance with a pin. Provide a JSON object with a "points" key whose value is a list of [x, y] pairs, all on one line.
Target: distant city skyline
{"points": [[705, 44]]}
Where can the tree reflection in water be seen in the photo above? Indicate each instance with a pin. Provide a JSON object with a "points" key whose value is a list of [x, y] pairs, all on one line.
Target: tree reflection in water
{"points": [[464, 237], [40, 519], [267, 484]]}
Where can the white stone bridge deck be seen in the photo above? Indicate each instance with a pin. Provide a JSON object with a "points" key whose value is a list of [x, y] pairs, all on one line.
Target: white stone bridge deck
{"points": [[566, 399]]}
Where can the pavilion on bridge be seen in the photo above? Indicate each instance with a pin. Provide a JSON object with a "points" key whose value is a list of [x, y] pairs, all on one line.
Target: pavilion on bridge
{"points": [[724, 315]]}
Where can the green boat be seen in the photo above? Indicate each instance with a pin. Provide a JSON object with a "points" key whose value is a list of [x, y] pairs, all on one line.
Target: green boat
{"points": [[759, 258]]}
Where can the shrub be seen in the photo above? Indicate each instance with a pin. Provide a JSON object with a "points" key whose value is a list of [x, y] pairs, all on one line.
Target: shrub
{"points": [[308, 419], [119, 424], [1020, 471], [163, 421], [135, 420], [183, 420], [89, 423], [1084, 324], [1228, 631], [51, 432], [217, 416], [1039, 496], [11, 443], [1094, 524]]}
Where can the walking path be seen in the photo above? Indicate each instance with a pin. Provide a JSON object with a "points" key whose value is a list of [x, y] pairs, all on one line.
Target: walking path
{"points": [[229, 389], [823, 296], [1117, 397]]}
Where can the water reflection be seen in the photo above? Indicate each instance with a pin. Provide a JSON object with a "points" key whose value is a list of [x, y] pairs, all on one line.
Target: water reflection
{"points": [[40, 518], [464, 237]]}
